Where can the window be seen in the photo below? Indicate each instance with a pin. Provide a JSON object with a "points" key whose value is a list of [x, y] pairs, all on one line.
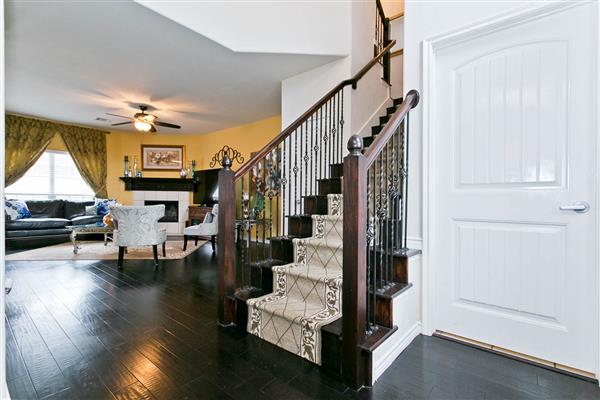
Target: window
{"points": [[53, 176]]}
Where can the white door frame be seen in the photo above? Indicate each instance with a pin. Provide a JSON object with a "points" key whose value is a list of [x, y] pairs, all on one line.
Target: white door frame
{"points": [[430, 47]]}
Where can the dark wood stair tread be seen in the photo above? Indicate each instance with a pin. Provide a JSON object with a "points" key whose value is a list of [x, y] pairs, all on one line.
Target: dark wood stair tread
{"points": [[334, 328], [394, 291], [376, 338], [268, 263], [401, 253], [248, 292]]}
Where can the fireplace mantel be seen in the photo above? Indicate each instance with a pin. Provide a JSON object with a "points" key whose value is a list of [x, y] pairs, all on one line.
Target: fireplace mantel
{"points": [[160, 184]]}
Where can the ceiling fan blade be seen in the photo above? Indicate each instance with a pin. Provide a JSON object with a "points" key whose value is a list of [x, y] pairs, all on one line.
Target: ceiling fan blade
{"points": [[122, 123], [120, 116], [167, 125]]}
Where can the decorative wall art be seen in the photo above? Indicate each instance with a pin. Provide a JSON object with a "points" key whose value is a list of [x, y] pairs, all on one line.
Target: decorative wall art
{"points": [[162, 158]]}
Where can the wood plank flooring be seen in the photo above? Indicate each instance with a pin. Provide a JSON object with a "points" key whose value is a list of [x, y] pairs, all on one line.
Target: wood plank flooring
{"points": [[84, 330]]}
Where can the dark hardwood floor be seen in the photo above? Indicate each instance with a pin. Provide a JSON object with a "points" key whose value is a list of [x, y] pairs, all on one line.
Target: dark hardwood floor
{"points": [[84, 330]]}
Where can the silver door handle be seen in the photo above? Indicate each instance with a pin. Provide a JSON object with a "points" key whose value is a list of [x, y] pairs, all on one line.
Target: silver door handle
{"points": [[579, 207]]}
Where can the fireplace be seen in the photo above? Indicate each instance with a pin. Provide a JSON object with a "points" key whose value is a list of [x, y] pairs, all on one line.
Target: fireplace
{"points": [[180, 201], [171, 209]]}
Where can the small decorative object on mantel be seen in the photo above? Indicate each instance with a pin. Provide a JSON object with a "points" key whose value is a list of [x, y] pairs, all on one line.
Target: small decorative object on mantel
{"points": [[232, 153], [126, 170], [135, 167], [183, 173], [193, 170], [162, 158]]}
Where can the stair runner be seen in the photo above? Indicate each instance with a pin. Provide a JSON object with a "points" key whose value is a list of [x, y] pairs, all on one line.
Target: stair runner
{"points": [[308, 292]]}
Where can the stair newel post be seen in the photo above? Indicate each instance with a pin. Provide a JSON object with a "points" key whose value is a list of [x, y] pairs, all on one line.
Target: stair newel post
{"points": [[226, 255], [355, 271]]}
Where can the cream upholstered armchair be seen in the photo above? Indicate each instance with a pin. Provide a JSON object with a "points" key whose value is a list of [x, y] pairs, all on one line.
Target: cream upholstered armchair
{"points": [[138, 226], [210, 227]]}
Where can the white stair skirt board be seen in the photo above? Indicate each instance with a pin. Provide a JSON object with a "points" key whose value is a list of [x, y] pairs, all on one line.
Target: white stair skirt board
{"points": [[307, 293], [406, 316]]}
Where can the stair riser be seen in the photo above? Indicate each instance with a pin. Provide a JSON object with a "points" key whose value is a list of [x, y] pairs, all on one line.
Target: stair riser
{"points": [[399, 268], [330, 186], [301, 227], [262, 278], [283, 249], [384, 312], [331, 352], [315, 205], [337, 170]]}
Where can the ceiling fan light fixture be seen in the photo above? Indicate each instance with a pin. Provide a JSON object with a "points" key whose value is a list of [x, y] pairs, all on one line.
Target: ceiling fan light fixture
{"points": [[142, 125]]}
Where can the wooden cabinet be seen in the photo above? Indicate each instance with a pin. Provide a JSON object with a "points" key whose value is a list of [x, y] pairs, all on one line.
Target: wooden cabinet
{"points": [[196, 214]]}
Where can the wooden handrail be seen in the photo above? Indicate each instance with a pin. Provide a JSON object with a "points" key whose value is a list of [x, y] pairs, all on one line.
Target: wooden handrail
{"points": [[410, 101], [300, 120], [399, 52], [399, 15]]}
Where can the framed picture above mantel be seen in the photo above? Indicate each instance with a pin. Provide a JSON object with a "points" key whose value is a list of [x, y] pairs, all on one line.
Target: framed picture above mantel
{"points": [[157, 157]]}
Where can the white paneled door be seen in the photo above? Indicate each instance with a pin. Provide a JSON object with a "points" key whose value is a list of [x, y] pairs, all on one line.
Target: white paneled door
{"points": [[514, 140]]}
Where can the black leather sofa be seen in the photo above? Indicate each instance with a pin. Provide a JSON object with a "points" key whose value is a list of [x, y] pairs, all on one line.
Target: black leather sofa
{"points": [[48, 224]]}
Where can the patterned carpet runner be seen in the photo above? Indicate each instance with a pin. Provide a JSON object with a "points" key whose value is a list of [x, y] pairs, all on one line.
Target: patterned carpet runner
{"points": [[308, 292]]}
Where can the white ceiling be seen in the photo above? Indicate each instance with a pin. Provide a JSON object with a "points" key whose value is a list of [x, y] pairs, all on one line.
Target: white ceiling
{"points": [[75, 61]]}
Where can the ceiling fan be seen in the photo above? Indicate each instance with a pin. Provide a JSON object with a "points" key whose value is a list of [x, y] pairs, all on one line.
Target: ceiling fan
{"points": [[144, 122]]}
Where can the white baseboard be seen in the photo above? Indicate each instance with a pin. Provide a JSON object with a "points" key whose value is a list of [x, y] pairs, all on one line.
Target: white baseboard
{"points": [[400, 342], [414, 243]]}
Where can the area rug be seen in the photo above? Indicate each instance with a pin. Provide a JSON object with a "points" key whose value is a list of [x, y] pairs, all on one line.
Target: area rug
{"points": [[96, 250]]}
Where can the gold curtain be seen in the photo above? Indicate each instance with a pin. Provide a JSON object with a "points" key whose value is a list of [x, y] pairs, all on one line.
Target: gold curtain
{"points": [[26, 140], [88, 148]]}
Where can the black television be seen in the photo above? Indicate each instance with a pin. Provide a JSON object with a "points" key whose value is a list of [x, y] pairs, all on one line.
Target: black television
{"points": [[208, 185]]}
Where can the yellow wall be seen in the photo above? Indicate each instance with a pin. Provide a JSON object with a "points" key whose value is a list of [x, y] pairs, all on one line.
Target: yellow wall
{"points": [[245, 138]]}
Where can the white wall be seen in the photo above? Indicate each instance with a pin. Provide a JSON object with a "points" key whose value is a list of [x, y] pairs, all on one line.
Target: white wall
{"points": [[397, 63], [372, 93], [361, 106], [424, 19], [263, 27], [300, 92]]}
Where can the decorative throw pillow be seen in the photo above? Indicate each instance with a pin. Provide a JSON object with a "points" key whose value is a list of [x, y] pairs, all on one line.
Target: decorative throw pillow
{"points": [[90, 210], [16, 209], [102, 206]]}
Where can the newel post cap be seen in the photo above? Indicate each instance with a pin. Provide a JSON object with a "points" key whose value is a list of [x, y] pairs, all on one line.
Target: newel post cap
{"points": [[355, 145], [226, 163], [417, 97]]}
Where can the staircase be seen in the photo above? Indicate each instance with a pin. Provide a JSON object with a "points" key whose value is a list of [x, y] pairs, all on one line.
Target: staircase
{"points": [[292, 245], [306, 293]]}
